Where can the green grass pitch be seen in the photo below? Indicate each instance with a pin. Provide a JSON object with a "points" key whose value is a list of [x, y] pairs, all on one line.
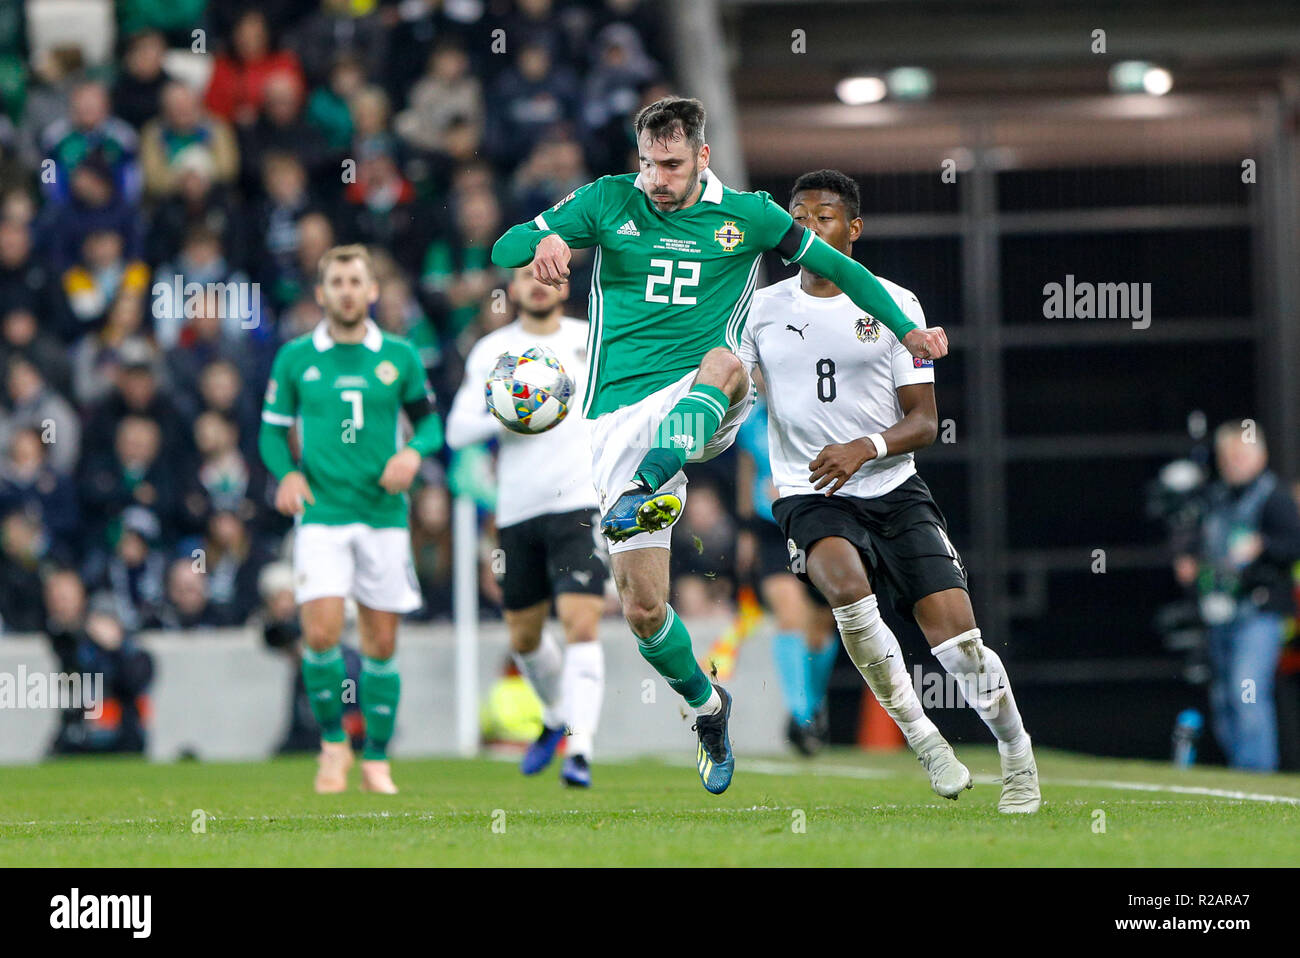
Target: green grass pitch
{"points": [[845, 808]]}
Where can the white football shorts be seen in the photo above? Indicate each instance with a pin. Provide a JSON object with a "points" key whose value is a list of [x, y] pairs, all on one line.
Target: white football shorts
{"points": [[619, 441], [373, 566]]}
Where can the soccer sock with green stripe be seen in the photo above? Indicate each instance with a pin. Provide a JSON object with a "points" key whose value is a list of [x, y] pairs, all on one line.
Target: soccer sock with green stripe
{"points": [[323, 674], [669, 651], [687, 427], [381, 687]]}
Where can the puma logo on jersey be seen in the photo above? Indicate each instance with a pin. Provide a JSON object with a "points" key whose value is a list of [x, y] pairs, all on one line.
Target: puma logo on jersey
{"points": [[800, 330], [628, 229]]}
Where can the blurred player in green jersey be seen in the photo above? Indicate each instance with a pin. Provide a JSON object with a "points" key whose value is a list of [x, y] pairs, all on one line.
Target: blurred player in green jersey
{"points": [[677, 260], [344, 386]]}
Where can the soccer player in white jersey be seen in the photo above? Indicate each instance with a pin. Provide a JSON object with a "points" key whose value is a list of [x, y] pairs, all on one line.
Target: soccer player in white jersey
{"points": [[548, 528], [848, 406]]}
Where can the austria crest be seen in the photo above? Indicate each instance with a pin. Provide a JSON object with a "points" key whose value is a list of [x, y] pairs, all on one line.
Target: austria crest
{"points": [[728, 236], [867, 328]]}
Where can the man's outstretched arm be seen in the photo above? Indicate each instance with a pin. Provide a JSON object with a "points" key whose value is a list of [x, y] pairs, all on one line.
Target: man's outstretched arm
{"points": [[867, 293]]}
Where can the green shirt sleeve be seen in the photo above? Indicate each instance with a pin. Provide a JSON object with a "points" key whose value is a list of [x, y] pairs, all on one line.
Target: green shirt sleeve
{"points": [[575, 219], [857, 281], [778, 231], [279, 409]]}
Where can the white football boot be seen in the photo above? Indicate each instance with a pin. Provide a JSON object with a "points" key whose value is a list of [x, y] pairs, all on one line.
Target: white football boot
{"points": [[1020, 794], [948, 777]]}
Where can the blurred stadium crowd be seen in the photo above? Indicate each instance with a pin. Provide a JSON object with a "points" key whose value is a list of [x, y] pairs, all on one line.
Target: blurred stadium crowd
{"points": [[217, 145]]}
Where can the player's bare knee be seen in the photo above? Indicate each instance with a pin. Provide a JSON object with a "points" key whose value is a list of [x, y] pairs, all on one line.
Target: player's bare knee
{"points": [[723, 368], [645, 617]]}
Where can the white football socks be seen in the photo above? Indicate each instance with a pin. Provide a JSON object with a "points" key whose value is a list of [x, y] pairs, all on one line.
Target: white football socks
{"points": [[875, 651], [583, 685], [985, 686], [542, 667], [712, 705]]}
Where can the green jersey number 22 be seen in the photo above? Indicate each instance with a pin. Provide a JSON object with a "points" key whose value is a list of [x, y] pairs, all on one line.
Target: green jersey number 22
{"points": [[678, 283]]}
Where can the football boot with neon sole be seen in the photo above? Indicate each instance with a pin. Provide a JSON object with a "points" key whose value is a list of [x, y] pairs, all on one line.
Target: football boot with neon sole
{"points": [[713, 758], [639, 510]]}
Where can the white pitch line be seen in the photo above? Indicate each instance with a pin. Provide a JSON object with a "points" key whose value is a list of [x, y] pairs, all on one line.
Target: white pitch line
{"points": [[852, 771]]}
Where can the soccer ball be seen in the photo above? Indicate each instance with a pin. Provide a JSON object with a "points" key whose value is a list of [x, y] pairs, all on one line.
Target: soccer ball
{"points": [[529, 393]]}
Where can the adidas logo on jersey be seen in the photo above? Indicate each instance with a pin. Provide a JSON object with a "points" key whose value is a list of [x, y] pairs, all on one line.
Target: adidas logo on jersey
{"points": [[311, 375], [628, 229]]}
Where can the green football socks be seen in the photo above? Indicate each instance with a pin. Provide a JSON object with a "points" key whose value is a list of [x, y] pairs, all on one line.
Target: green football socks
{"points": [[669, 651], [323, 673], [381, 687], [688, 426]]}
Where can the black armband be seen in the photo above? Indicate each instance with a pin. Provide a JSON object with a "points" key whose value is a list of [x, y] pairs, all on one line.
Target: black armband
{"points": [[789, 245], [417, 409]]}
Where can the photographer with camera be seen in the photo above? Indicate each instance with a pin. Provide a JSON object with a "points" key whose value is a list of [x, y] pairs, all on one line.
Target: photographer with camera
{"points": [[1240, 559]]}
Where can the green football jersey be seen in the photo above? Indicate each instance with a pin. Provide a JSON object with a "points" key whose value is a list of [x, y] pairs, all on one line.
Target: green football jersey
{"points": [[346, 398], [666, 287]]}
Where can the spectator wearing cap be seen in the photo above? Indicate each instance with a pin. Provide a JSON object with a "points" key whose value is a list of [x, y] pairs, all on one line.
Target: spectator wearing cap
{"points": [[530, 98], [183, 127], [26, 282], [33, 404], [133, 571], [138, 89], [89, 129], [237, 89], [29, 484], [446, 92]]}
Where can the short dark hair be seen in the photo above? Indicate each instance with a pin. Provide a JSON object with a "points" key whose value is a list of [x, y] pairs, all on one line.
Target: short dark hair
{"points": [[832, 181], [673, 116]]}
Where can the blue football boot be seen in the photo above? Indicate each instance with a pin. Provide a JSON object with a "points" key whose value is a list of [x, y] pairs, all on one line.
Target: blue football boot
{"points": [[541, 752], [714, 757], [576, 772], [639, 510]]}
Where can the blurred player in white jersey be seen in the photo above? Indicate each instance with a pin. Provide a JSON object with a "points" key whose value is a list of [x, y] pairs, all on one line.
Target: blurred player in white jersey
{"points": [[848, 405], [548, 528]]}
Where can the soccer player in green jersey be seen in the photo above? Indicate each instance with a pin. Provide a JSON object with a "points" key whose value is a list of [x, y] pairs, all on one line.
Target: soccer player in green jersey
{"points": [[344, 384], [677, 260]]}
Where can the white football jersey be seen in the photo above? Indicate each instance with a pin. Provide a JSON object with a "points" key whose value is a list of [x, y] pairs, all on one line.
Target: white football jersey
{"points": [[536, 475], [832, 375]]}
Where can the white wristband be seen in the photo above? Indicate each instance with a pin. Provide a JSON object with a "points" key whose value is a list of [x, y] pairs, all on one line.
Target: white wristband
{"points": [[878, 441]]}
